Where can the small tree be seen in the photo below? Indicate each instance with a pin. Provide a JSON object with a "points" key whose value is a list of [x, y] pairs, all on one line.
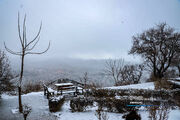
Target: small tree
{"points": [[5, 73], [84, 79], [132, 74], [158, 46], [26, 49], [26, 111], [113, 68]]}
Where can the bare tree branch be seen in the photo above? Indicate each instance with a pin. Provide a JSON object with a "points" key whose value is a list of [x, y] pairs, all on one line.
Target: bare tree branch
{"points": [[39, 52], [35, 36], [29, 49], [12, 52], [24, 31], [19, 31]]}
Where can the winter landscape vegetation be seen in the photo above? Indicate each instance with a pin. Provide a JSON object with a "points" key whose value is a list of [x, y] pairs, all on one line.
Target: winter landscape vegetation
{"points": [[89, 60]]}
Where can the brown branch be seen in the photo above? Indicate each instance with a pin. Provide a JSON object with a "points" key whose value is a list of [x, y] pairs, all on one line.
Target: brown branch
{"points": [[12, 52], [29, 49], [39, 52], [24, 31], [35, 36], [19, 31]]}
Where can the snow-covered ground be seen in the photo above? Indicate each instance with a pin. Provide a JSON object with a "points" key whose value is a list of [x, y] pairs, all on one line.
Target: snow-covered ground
{"points": [[148, 85], [40, 110], [175, 82]]}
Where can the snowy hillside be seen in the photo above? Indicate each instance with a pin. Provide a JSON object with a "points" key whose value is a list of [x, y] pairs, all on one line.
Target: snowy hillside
{"points": [[148, 85]]}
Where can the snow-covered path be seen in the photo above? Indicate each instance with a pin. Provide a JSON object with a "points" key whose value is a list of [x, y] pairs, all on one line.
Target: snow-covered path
{"points": [[36, 100]]}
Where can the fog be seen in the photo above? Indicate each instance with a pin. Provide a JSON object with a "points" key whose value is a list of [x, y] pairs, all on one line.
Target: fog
{"points": [[84, 29], [83, 33]]}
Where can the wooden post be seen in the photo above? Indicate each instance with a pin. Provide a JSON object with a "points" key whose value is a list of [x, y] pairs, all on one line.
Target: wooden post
{"points": [[47, 94], [44, 90], [76, 90]]}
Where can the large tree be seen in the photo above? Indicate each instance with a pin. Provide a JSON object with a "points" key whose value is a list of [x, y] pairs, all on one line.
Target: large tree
{"points": [[158, 46], [27, 48]]}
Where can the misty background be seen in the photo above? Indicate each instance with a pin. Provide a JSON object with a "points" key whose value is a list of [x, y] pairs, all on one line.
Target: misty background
{"points": [[83, 33]]}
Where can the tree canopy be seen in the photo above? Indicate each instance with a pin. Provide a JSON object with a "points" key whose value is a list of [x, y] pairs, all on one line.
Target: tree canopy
{"points": [[158, 46]]}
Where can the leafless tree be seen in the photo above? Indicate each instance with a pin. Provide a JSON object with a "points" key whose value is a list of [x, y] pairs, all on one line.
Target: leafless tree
{"points": [[113, 68], [26, 49], [84, 79], [158, 46], [159, 112], [132, 74]]}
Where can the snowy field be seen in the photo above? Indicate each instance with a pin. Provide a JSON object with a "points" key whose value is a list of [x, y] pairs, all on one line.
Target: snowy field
{"points": [[40, 111], [148, 85]]}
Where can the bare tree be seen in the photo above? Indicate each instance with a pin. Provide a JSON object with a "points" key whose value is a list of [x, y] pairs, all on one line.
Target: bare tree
{"points": [[26, 49], [84, 79], [158, 46], [113, 68], [132, 74], [159, 112]]}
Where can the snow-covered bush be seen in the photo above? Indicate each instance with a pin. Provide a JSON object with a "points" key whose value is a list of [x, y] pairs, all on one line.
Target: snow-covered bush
{"points": [[55, 103], [114, 105], [32, 87], [106, 103], [103, 93], [100, 114], [80, 104]]}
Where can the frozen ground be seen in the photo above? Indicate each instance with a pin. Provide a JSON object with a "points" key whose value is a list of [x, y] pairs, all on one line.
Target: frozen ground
{"points": [[148, 85], [40, 110]]}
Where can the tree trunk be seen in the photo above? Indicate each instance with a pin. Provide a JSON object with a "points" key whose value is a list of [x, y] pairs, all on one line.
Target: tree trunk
{"points": [[178, 70], [20, 81], [20, 102]]}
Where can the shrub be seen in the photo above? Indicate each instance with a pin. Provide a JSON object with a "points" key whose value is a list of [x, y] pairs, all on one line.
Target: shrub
{"points": [[80, 104], [32, 87], [115, 105], [106, 102], [55, 103], [100, 114], [26, 111], [103, 93], [132, 115]]}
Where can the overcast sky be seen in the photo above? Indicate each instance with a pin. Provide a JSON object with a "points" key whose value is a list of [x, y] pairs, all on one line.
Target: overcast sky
{"points": [[87, 29]]}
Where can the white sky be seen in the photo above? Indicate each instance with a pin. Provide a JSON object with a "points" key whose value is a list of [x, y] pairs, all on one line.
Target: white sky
{"points": [[87, 29]]}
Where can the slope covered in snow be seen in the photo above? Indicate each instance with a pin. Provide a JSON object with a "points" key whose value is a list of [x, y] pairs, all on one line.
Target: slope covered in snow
{"points": [[148, 85], [40, 110]]}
